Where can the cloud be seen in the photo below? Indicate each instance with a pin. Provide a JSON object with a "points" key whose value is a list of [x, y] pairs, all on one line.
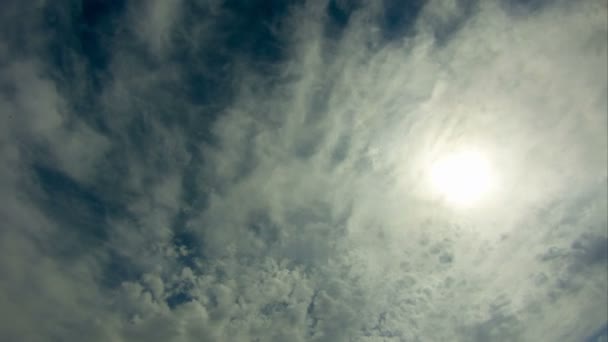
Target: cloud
{"points": [[155, 22], [212, 170]]}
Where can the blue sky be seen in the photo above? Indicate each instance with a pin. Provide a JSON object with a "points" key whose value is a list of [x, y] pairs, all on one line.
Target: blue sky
{"points": [[260, 170]]}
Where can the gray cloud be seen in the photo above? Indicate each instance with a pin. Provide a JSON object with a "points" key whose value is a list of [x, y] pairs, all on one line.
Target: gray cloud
{"points": [[176, 181]]}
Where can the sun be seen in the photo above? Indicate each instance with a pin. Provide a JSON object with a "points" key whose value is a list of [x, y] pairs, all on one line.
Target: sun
{"points": [[461, 178]]}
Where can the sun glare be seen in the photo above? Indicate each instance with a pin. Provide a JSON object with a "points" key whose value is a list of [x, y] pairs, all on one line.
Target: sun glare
{"points": [[462, 178]]}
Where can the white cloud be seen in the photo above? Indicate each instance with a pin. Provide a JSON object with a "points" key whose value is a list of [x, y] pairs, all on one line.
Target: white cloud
{"points": [[500, 82], [317, 224]]}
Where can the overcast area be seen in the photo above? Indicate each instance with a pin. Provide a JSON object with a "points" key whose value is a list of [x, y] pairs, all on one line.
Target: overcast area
{"points": [[213, 170]]}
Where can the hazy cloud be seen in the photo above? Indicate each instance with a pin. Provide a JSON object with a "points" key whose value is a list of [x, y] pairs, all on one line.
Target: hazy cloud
{"points": [[187, 170]]}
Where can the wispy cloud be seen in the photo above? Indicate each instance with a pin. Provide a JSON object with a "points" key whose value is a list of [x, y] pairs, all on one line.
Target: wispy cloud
{"points": [[178, 171]]}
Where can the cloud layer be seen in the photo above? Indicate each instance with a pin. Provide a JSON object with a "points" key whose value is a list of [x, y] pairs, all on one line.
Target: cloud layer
{"points": [[221, 171]]}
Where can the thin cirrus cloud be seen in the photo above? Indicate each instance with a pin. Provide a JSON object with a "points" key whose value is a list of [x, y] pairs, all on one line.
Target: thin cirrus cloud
{"points": [[230, 171]]}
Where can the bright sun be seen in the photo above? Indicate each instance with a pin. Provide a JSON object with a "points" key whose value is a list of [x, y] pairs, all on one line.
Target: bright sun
{"points": [[462, 178]]}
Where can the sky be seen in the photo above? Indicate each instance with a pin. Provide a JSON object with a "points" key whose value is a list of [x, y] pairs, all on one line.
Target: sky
{"points": [[224, 170]]}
